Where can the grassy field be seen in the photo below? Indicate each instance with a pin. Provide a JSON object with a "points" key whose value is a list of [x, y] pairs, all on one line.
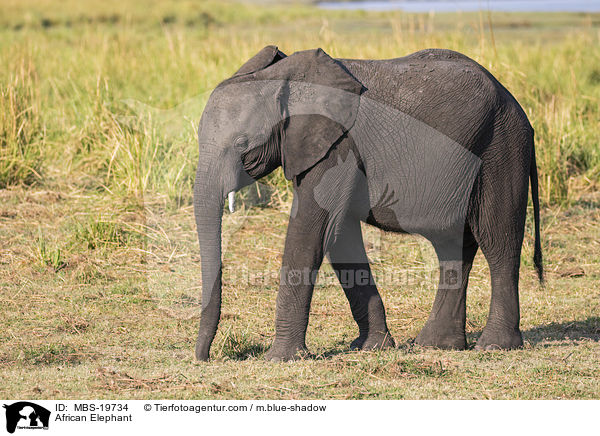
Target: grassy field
{"points": [[99, 271]]}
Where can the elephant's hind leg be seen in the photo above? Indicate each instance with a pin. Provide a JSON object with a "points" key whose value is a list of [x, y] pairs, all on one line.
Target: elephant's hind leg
{"points": [[351, 265], [445, 327], [499, 230], [502, 328]]}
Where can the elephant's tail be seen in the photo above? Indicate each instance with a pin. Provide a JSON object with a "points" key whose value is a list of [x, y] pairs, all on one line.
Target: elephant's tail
{"points": [[537, 253]]}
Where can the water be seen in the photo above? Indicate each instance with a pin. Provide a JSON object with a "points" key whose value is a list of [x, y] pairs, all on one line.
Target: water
{"points": [[470, 5]]}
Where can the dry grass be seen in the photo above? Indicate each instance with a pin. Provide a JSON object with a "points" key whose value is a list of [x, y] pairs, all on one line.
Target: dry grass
{"points": [[121, 322]]}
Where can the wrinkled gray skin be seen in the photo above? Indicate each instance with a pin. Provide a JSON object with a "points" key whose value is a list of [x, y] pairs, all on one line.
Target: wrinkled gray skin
{"points": [[429, 143]]}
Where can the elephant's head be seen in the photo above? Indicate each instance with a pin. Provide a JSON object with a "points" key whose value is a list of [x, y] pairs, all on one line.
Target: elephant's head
{"points": [[275, 111]]}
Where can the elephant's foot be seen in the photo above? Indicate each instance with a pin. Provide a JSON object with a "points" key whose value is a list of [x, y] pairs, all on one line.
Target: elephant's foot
{"points": [[494, 338], [281, 352], [373, 341], [443, 335]]}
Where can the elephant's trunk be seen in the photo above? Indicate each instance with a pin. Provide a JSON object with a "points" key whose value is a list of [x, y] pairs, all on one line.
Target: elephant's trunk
{"points": [[208, 208]]}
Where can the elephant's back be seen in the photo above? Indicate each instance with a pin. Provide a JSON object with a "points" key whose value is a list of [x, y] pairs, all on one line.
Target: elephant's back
{"points": [[442, 88]]}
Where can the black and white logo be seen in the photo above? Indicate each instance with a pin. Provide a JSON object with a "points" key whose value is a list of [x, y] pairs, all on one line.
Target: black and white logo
{"points": [[26, 415]]}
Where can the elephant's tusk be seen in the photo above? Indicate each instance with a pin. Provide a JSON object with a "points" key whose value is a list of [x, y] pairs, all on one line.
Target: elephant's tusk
{"points": [[231, 198]]}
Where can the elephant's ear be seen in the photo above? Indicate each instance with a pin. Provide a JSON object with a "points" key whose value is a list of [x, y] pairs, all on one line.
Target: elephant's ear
{"points": [[264, 58], [318, 100]]}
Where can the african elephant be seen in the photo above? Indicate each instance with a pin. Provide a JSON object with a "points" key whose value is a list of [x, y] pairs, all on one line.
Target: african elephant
{"points": [[430, 143]]}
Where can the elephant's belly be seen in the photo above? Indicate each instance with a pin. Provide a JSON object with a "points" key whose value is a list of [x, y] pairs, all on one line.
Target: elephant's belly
{"points": [[384, 219]]}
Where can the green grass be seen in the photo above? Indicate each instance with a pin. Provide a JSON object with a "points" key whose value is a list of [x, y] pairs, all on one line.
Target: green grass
{"points": [[48, 256], [101, 233], [62, 115], [99, 264], [21, 128]]}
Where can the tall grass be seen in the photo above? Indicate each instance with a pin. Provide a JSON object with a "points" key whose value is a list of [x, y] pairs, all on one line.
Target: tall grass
{"points": [[21, 128], [559, 86], [69, 68]]}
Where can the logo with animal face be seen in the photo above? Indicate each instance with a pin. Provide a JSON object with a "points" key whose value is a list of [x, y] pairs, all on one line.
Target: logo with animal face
{"points": [[26, 415]]}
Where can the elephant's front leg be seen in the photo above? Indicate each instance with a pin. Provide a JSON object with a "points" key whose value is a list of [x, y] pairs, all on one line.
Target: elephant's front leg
{"points": [[302, 257], [351, 265]]}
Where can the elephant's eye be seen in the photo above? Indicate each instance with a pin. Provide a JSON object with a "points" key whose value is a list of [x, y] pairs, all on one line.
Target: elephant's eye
{"points": [[241, 142]]}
